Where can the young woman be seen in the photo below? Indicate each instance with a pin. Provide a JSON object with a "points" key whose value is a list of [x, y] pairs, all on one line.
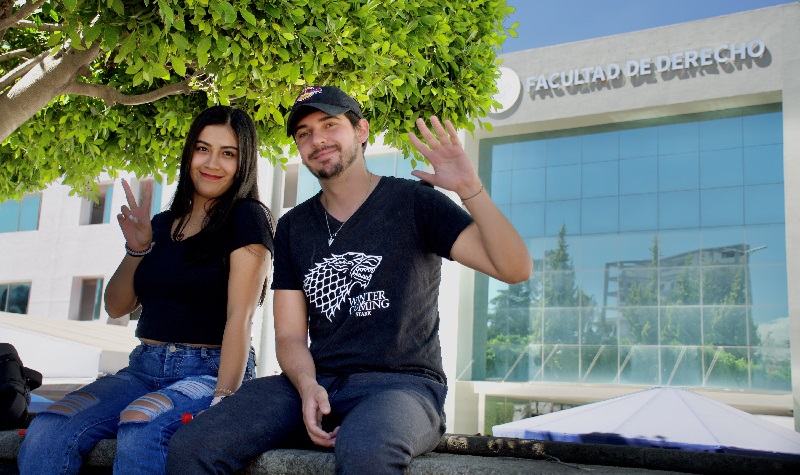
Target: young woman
{"points": [[199, 272]]}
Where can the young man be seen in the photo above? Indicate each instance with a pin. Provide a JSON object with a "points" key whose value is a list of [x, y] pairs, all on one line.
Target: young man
{"points": [[357, 269]]}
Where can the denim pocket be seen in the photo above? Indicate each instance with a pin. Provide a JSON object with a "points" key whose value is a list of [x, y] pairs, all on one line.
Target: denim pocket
{"points": [[212, 363], [136, 352]]}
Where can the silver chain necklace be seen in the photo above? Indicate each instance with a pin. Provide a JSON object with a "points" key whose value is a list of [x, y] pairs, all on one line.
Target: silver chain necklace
{"points": [[332, 236]]}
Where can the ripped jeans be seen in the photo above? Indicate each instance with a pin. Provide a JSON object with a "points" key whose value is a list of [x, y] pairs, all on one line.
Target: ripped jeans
{"points": [[142, 406]]}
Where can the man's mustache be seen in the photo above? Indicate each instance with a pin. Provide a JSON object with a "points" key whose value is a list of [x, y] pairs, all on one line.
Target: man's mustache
{"points": [[320, 150]]}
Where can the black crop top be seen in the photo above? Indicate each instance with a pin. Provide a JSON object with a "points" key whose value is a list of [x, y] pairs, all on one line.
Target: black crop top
{"points": [[184, 298]]}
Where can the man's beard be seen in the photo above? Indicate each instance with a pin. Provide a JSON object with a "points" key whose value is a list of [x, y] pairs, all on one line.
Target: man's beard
{"points": [[348, 157]]}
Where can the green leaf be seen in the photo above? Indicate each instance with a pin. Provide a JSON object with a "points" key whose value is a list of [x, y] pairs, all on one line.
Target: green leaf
{"points": [[159, 71], [126, 47], [228, 12], [202, 51], [118, 7], [313, 31], [92, 33], [248, 17], [180, 42]]}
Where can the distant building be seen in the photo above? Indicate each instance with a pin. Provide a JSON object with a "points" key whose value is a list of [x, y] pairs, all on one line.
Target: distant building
{"points": [[684, 136]]}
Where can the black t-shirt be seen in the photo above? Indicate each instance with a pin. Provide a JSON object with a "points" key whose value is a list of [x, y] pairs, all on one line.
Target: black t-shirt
{"points": [[372, 296], [183, 286]]}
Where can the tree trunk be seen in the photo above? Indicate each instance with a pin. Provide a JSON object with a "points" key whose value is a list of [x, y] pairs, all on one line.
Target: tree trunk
{"points": [[40, 85]]}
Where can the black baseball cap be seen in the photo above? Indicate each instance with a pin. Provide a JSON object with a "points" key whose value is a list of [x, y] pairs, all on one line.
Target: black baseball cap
{"points": [[328, 99]]}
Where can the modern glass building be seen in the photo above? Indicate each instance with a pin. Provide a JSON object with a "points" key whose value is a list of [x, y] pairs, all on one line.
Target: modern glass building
{"points": [[660, 255], [651, 175]]}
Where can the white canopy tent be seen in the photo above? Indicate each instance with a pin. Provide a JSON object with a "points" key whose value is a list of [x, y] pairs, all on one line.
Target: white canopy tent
{"points": [[661, 417]]}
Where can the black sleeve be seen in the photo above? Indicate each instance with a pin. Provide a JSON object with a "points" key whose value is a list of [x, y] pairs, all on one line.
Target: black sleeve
{"points": [[439, 220], [283, 277], [250, 224]]}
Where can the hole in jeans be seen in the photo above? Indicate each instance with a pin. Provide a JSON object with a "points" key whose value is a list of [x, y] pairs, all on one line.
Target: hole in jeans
{"points": [[196, 388], [72, 404], [146, 408]]}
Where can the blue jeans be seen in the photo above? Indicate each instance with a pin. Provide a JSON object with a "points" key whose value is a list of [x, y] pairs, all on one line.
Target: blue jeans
{"points": [[385, 419], [160, 384]]}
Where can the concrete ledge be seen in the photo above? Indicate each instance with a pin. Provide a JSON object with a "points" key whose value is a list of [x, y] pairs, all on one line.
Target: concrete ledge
{"points": [[462, 454]]}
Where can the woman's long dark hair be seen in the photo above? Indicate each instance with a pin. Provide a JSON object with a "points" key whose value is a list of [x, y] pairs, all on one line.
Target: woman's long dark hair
{"points": [[245, 181]]}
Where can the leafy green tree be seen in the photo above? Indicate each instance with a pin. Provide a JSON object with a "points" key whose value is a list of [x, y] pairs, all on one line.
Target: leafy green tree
{"points": [[91, 87], [510, 327]]}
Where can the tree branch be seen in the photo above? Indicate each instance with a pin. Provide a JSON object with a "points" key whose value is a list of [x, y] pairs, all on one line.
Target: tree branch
{"points": [[17, 53], [111, 96], [21, 70], [22, 13], [48, 27]]}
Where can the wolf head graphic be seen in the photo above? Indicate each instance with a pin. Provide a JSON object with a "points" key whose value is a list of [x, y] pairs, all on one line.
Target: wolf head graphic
{"points": [[329, 282]]}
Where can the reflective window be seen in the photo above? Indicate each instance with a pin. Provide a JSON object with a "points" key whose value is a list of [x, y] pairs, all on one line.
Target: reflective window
{"points": [[639, 365], [382, 165], [561, 325], [722, 207], [638, 326], [598, 250], [725, 326], [502, 159], [763, 164], [721, 134], [561, 363], [768, 285], [566, 214], [762, 129], [660, 256], [600, 147], [599, 215], [678, 172], [9, 216], [678, 138], [91, 299], [501, 187], [681, 366], [14, 297], [766, 244], [680, 326], [641, 248], [563, 183], [98, 210], [638, 212], [527, 185], [307, 184], [639, 175], [678, 286], [531, 154], [598, 364], [600, 179], [563, 151], [679, 210], [155, 189], [528, 219], [721, 168], [593, 289], [638, 143], [20, 215], [763, 204]]}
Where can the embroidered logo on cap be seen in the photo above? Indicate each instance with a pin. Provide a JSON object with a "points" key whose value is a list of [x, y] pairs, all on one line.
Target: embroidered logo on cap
{"points": [[307, 94]]}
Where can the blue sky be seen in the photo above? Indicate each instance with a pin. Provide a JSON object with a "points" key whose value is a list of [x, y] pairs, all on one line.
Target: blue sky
{"points": [[547, 22]]}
